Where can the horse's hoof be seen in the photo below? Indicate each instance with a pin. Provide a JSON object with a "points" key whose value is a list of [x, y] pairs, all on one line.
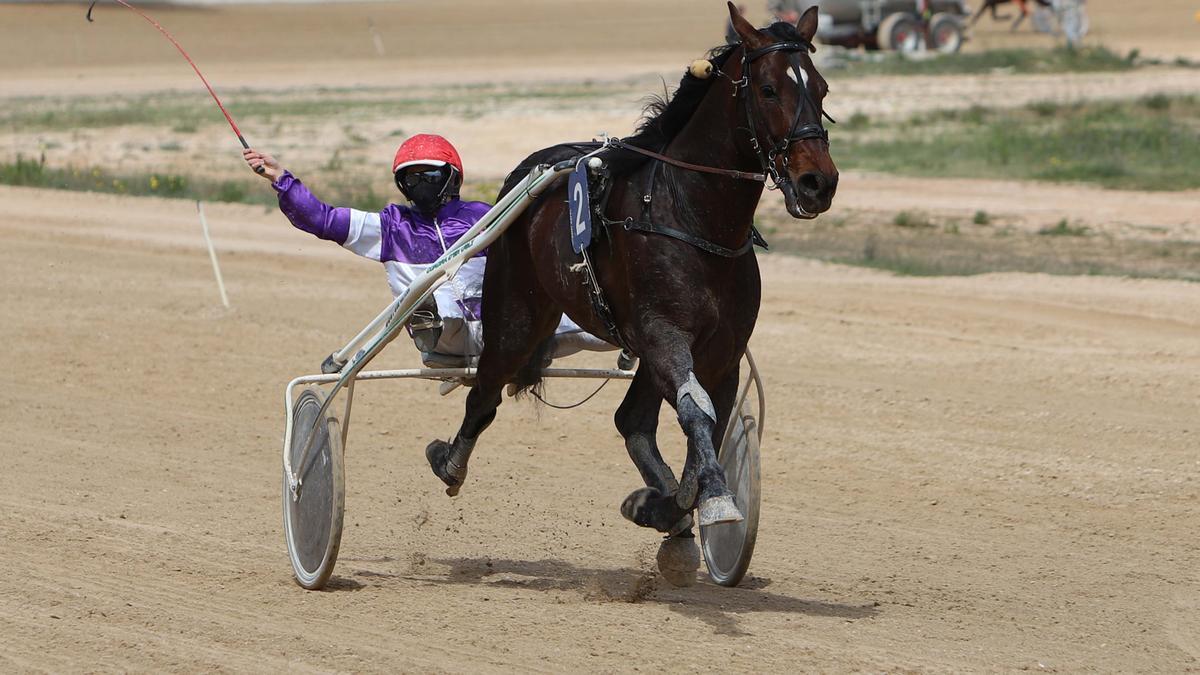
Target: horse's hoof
{"points": [[636, 507], [678, 559], [719, 510], [647, 507], [438, 454]]}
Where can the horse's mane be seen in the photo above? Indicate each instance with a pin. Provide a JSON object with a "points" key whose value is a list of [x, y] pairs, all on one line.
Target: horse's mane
{"points": [[665, 116]]}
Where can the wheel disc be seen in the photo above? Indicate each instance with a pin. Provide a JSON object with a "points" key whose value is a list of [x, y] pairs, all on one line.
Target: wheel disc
{"points": [[312, 517], [728, 547]]}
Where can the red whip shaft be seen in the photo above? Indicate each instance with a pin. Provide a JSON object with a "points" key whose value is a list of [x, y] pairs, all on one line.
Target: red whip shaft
{"points": [[178, 46]]}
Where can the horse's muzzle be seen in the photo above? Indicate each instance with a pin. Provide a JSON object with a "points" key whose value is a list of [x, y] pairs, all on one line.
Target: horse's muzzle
{"points": [[810, 194]]}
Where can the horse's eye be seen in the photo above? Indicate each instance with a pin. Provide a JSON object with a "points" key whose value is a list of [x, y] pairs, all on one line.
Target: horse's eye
{"points": [[769, 91]]}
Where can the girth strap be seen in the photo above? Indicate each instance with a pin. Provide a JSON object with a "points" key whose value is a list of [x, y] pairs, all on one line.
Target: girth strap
{"points": [[702, 244]]}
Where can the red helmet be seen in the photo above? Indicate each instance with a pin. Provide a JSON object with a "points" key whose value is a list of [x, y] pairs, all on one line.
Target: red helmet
{"points": [[427, 149]]}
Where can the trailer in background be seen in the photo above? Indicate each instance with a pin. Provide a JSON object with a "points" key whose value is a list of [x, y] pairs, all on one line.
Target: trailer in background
{"points": [[893, 25]]}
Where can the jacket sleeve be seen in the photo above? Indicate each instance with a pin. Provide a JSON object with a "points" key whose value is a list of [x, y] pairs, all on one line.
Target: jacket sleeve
{"points": [[310, 214]]}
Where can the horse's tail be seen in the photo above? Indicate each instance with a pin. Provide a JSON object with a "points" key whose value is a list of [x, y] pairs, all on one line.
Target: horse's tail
{"points": [[529, 377]]}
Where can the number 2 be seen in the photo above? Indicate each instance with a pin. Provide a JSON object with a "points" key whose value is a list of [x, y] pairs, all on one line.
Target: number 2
{"points": [[578, 199]]}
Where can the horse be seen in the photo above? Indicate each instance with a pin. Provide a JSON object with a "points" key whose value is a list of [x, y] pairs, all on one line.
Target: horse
{"points": [[994, 4], [677, 281]]}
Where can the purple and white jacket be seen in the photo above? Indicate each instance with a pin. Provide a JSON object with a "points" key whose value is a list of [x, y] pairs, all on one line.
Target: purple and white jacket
{"points": [[406, 242]]}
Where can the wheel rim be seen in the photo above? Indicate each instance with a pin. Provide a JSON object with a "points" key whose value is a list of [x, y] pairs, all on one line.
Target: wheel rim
{"points": [[312, 522], [727, 547], [906, 38], [945, 38]]}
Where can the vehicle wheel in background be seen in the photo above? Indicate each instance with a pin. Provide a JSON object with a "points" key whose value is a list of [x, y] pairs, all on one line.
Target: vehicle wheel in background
{"points": [[899, 32], [946, 33]]}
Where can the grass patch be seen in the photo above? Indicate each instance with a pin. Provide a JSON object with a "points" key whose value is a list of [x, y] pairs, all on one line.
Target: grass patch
{"points": [[857, 122], [863, 239], [1153, 144], [1049, 61], [35, 173], [186, 113], [911, 219], [1064, 229]]}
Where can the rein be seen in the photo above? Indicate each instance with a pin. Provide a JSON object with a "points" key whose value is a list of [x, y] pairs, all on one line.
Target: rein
{"points": [[732, 173]]}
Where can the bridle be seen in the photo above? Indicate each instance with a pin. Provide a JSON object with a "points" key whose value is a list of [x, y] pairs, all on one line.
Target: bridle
{"points": [[768, 156]]}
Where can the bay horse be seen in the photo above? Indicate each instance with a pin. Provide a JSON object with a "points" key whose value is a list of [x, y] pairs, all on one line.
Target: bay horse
{"points": [[675, 262], [993, 5]]}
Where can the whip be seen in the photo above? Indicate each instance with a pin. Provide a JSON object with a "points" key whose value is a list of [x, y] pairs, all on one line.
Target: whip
{"points": [[233, 125]]}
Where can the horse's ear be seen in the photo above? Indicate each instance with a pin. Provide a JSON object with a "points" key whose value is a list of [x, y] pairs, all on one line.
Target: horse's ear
{"points": [[744, 28], [807, 25]]}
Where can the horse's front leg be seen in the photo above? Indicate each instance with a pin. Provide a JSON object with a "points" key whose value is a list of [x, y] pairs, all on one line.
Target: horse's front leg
{"points": [[703, 483], [637, 420]]}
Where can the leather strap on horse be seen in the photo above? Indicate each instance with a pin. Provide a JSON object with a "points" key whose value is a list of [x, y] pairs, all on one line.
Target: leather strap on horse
{"points": [[790, 46], [702, 244], [599, 304], [732, 173]]}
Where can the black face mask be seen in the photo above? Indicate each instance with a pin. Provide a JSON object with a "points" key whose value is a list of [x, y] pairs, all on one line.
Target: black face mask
{"points": [[427, 190]]}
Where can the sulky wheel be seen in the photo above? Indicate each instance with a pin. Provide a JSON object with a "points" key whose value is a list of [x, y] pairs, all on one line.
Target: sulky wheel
{"points": [[312, 517], [727, 547]]}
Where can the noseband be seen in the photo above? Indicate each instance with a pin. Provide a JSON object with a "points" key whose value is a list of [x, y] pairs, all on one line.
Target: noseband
{"points": [[797, 132]]}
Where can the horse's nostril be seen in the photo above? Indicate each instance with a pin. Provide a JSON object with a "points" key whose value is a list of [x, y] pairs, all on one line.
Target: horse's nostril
{"points": [[811, 182]]}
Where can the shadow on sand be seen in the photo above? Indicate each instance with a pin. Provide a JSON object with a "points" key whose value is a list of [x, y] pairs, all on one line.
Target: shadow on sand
{"points": [[716, 606]]}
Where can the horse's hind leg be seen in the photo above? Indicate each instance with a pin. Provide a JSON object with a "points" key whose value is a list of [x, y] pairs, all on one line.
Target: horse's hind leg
{"points": [[983, 8], [1022, 12], [517, 318], [637, 420]]}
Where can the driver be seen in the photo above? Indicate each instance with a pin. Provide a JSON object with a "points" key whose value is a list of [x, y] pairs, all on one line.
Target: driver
{"points": [[407, 239]]}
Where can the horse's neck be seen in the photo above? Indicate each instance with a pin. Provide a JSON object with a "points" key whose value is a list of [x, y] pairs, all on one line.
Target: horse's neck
{"points": [[714, 136]]}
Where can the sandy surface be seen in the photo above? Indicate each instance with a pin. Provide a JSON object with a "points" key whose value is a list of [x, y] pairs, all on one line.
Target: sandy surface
{"points": [[52, 49], [987, 473], [995, 472]]}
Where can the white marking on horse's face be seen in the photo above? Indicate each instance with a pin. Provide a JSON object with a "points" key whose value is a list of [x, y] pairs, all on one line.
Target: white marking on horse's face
{"points": [[803, 75]]}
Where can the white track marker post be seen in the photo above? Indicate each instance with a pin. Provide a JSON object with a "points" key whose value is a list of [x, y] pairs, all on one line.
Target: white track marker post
{"points": [[376, 37], [212, 255]]}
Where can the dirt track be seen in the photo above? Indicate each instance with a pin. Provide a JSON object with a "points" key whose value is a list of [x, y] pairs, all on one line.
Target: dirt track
{"points": [[987, 473], [990, 472]]}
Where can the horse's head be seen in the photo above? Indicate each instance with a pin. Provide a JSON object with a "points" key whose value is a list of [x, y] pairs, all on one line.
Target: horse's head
{"points": [[782, 94]]}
